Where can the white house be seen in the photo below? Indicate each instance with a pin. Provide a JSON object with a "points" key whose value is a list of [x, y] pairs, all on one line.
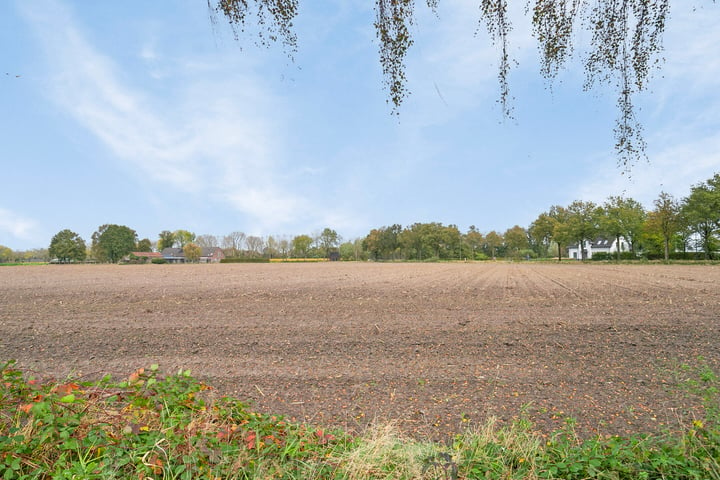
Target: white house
{"points": [[604, 245]]}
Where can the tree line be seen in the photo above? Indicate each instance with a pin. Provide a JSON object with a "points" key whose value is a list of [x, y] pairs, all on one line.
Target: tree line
{"points": [[672, 227], [112, 243]]}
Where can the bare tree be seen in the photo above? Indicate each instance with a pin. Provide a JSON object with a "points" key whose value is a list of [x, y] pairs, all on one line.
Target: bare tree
{"points": [[207, 241], [233, 243], [254, 245], [271, 247], [284, 247]]}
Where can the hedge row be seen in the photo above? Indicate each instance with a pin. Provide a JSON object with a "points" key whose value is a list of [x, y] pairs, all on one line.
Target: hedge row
{"points": [[600, 256], [244, 260]]}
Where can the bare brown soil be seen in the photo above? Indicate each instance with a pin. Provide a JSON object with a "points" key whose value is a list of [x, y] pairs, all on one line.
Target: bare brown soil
{"points": [[435, 347]]}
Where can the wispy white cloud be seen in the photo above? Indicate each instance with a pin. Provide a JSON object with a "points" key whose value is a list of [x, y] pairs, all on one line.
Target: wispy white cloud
{"points": [[690, 70], [211, 129], [213, 136], [148, 53], [691, 44], [17, 227]]}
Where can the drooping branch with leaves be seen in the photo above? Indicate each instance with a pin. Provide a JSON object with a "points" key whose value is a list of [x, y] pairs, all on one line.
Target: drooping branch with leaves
{"points": [[626, 43], [273, 19], [393, 19]]}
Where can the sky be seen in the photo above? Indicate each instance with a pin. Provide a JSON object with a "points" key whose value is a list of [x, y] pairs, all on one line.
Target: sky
{"points": [[147, 114]]}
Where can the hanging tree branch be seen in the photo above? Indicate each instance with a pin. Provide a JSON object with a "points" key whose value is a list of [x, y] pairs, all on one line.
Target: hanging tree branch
{"points": [[494, 14], [393, 19], [625, 45], [553, 24], [273, 19]]}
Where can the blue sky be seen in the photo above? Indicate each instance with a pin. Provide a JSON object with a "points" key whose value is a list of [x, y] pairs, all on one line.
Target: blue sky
{"points": [[144, 114]]}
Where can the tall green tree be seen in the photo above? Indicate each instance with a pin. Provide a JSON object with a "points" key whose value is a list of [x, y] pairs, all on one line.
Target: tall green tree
{"points": [[67, 246], [425, 240], [541, 232], [383, 242], [451, 242], [664, 220], [411, 241], [372, 243], [346, 251], [701, 212], [329, 240], [144, 245], [622, 40], [516, 239], [6, 254], [359, 252], [622, 217], [551, 227], [301, 245], [166, 240], [183, 237], [192, 252], [112, 242], [582, 224], [352, 250], [493, 242], [473, 241]]}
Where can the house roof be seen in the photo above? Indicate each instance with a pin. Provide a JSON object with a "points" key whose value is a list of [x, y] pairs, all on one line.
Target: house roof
{"points": [[147, 254], [179, 253], [599, 242], [602, 242]]}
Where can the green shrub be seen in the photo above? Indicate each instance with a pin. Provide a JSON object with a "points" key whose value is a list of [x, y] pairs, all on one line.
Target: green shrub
{"points": [[148, 426], [133, 259], [676, 256], [686, 255], [603, 256], [527, 254], [245, 260], [158, 261]]}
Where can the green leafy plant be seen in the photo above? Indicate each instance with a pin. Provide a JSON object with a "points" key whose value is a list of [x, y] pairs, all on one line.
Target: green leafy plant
{"points": [[175, 427], [145, 426]]}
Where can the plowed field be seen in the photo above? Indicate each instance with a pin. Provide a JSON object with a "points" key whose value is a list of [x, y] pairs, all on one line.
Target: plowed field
{"points": [[435, 347]]}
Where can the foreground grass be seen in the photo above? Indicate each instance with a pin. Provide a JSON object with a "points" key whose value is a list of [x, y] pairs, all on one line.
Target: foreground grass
{"points": [[173, 427]]}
